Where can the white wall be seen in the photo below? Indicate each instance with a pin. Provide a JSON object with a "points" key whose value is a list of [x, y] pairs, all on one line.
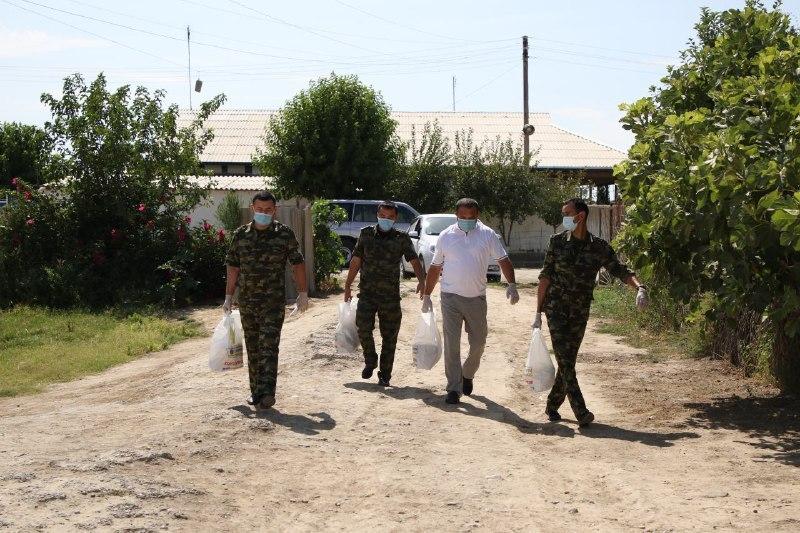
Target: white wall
{"points": [[208, 209]]}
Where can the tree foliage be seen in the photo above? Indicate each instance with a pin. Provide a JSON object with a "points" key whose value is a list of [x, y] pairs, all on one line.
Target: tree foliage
{"points": [[229, 211], [712, 181], [26, 152], [334, 140], [113, 227], [426, 180], [554, 191]]}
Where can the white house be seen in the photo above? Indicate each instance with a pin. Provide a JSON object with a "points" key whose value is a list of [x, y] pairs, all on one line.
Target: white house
{"points": [[239, 132]]}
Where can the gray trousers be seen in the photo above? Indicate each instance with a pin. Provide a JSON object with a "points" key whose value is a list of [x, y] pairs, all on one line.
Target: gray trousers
{"points": [[456, 312]]}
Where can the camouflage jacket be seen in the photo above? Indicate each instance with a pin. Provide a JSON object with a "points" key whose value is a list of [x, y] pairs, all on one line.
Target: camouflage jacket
{"points": [[261, 256], [572, 265], [380, 253]]}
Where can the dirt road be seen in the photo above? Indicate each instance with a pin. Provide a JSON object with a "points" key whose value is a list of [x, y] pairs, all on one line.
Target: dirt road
{"points": [[162, 443]]}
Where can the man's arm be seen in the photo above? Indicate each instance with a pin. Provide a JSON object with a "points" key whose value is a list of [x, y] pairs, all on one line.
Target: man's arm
{"points": [[355, 266], [508, 269], [233, 277], [420, 273], [541, 293], [299, 271]]}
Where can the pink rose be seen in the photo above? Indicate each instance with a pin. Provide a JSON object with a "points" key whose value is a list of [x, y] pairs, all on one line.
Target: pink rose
{"points": [[30, 222], [28, 196], [141, 208]]}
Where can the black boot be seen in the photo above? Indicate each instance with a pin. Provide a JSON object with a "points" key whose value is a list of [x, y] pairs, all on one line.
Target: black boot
{"points": [[367, 372], [452, 397], [466, 385]]}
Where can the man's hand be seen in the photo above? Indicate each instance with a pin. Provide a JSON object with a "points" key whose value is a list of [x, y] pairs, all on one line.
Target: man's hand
{"points": [[226, 307], [347, 293], [537, 322], [427, 304], [302, 302], [512, 294], [421, 288], [642, 299]]}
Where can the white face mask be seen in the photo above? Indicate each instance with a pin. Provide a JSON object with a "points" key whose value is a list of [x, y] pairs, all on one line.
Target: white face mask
{"points": [[569, 223]]}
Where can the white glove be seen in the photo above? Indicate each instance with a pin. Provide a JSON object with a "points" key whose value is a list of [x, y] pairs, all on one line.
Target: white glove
{"points": [[302, 302], [512, 294], [226, 307], [642, 300], [537, 322], [427, 304]]}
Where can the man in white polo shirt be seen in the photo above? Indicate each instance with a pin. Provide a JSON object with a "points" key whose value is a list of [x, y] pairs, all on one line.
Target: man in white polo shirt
{"points": [[462, 256]]}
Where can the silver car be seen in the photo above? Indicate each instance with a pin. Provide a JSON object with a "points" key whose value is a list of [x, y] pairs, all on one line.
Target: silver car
{"points": [[424, 232], [363, 213]]}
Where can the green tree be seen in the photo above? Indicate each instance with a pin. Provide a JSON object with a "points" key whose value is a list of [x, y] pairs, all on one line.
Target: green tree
{"points": [[229, 212], [26, 152], [123, 201], [553, 191], [712, 180], [336, 139], [426, 180]]}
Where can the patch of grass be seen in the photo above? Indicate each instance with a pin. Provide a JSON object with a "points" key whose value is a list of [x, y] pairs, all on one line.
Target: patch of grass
{"points": [[41, 346], [660, 329]]}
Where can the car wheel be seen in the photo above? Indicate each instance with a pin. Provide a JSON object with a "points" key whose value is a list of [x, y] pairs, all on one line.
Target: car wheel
{"points": [[493, 279]]}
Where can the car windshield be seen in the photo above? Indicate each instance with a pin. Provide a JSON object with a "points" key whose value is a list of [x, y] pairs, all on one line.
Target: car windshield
{"points": [[436, 225]]}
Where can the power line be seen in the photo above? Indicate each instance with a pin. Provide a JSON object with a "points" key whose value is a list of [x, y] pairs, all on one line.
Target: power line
{"points": [[406, 26], [513, 67], [90, 32]]}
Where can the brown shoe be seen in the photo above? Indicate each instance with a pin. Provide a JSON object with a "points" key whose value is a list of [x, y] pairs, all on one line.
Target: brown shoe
{"points": [[266, 402]]}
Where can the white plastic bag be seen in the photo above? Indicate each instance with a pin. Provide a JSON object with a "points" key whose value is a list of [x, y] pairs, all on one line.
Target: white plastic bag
{"points": [[346, 336], [427, 346], [227, 344], [540, 374]]}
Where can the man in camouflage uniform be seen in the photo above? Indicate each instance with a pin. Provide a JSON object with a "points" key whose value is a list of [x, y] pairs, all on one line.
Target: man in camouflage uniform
{"points": [[256, 261], [566, 284], [377, 255]]}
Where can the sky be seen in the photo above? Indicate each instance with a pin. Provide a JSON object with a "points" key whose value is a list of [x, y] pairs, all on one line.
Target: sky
{"points": [[587, 57]]}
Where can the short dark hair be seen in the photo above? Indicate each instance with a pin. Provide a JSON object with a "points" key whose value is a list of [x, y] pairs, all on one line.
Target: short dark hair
{"points": [[387, 204], [264, 196], [469, 203], [580, 205]]}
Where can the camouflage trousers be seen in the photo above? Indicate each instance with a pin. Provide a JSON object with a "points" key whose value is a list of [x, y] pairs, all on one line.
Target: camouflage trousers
{"points": [[262, 324], [567, 323], [389, 317]]}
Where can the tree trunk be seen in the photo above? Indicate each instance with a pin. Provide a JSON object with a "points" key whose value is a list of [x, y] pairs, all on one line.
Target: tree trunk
{"points": [[786, 358]]}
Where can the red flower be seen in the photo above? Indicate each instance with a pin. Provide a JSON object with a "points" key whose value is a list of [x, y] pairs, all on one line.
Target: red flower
{"points": [[141, 208], [98, 258], [30, 222], [14, 181], [151, 224], [181, 234], [206, 226], [221, 235], [28, 196], [188, 220], [115, 234]]}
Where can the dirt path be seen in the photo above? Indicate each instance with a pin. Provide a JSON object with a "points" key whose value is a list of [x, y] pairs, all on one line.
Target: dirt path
{"points": [[162, 443]]}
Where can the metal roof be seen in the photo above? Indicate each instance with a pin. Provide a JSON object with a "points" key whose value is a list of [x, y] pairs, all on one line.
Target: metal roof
{"points": [[232, 183], [239, 132]]}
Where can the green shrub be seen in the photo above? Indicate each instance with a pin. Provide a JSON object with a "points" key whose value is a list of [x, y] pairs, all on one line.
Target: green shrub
{"points": [[328, 257], [229, 212]]}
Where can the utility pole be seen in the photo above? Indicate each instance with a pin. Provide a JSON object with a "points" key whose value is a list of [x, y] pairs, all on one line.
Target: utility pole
{"points": [[454, 93], [526, 129], [189, 48]]}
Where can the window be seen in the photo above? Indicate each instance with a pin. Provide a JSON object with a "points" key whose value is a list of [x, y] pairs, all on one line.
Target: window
{"points": [[224, 170], [248, 169], [365, 213], [436, 225], [348, 208], [405, 215]]}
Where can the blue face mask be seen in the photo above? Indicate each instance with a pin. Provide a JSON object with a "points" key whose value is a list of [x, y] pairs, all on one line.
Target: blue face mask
{"points": [[569, 223], [467, 225], [385, 224], [262, 219]]}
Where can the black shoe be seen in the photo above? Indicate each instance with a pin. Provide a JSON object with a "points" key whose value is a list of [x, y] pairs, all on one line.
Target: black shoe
{"points": [[367, 372], [466, 385], [585, 419], [252, 400], [383, 382], [552, 416], [266, 402], [452, 397]]}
